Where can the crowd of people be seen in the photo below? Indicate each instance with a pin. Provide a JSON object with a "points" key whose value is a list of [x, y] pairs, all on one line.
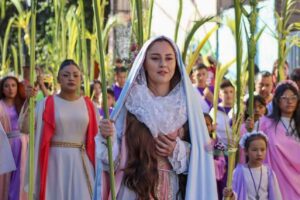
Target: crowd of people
{"points": [[162, 129]]}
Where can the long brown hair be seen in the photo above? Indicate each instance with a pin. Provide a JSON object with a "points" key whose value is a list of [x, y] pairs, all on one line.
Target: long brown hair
{"points": [[19, 100], [141, 172]]}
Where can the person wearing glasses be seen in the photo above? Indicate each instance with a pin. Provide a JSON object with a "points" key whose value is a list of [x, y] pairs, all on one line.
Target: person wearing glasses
{"points": [[283, 129]]}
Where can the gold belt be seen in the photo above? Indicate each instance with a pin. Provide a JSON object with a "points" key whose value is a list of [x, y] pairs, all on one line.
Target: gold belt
{"points": [[82, 149]]}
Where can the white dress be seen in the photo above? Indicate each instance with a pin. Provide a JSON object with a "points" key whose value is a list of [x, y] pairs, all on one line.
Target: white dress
{"points": [[263, 189], [7, 162], [66, 179], [223, 125]]}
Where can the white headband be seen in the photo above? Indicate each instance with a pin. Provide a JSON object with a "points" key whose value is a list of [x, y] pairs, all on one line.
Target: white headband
{"points": [[248, 134]]}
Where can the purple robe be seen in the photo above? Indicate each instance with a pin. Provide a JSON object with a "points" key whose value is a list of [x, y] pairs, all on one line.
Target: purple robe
{"points": [[117, 91], [201, 91], [239, 184], [18, 143], [101, 111]]}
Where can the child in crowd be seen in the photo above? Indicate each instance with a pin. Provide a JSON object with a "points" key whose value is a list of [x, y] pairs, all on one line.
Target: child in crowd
{"points": [[110, 102], [224, 121], [224, 112], [200, 74], [120, 78], [259, 110], [252, 124], [218, 151], [254, 180], [96, 93]]}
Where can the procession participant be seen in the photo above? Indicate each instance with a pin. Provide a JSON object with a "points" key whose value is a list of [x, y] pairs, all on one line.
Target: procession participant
{"points": [[159, 133]]}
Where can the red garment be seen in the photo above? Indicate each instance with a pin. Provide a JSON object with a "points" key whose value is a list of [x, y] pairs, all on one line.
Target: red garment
{"points": [[47, 134]]}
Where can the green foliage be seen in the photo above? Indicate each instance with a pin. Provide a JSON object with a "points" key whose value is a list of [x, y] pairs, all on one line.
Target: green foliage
{"points": [[191, 33], [2, 9], [284, 29], [31, 100], [139, 17], [178, 21], [104, 94], [4, 66], [194, 56]]}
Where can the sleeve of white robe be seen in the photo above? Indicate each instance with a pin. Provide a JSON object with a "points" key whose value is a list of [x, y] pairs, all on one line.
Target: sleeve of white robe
{"points": [[205, 107], [7, 162], [102, 151], [180, 157]]}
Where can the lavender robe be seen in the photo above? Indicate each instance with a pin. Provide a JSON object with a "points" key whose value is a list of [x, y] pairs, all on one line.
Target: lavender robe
{"points": [[239, 184]]}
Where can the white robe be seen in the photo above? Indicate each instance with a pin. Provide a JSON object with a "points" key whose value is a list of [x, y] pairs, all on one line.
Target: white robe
{"points": [[7, 162]]}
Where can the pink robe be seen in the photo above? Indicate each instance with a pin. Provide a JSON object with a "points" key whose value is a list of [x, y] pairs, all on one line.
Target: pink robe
{"points": [[283, 157]]}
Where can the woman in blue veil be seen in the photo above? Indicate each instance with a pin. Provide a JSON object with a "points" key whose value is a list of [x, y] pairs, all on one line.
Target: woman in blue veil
{"points": [[159, 139]]}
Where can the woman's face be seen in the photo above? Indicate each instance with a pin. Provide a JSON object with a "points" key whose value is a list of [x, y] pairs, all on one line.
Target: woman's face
{"points": [[160, 63], [10, 88], [288, 103], [69, 78]]}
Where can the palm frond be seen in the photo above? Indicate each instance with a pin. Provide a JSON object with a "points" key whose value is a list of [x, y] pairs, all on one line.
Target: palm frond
{"points": [[84, 50], [72, 32], [195, 54], [191, 33], [104, 96], [149, 25], [15, 57], [283, 29], [2, 9], [18, 6], [178, 19], [5, 42], [220, 72], [139, 17], [31, 100], [112, 22]]}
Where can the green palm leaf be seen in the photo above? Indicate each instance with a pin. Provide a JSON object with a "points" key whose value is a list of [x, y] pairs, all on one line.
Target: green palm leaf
{"points": [[195, 54], [178, 20], [191, 33]]}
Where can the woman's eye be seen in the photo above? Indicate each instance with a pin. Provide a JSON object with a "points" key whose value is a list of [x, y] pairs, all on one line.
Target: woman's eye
{"points": [[154, 58]]}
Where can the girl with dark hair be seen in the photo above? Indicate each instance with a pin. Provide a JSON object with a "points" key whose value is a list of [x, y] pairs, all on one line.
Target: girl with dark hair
{"points": [[66, 125], [254, 180], [159, 132], [218, 152], [110, 102], [252, 124], [283, 130], [259, 110], [11, 184], [96, 93]]}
